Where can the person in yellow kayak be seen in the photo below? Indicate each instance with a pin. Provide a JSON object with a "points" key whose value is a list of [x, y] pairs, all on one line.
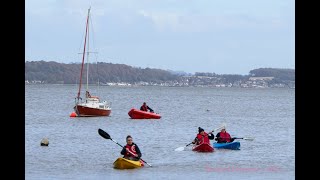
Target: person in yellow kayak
{"points": [[131, 150], [223, 136], [144, 107], [203, 137]]}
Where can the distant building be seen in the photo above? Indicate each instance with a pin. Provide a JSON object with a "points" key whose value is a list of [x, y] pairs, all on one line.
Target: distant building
{"points": [[260, 78]]}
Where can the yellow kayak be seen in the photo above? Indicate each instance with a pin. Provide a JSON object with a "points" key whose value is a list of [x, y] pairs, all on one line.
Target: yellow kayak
{"points": [[122, 163]]}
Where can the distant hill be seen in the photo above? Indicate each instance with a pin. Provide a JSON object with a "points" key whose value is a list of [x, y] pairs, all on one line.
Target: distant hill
{"points": [[180, 73], [283, 74], [53, 72]]}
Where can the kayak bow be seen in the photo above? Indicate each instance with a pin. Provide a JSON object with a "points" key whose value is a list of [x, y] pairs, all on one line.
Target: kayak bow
{"points": [[122, 163]]}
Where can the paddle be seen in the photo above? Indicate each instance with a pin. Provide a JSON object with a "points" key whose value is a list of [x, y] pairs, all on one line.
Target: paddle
{"points": [[107, 136], [245, 138], [219, 128], [182, 148]]}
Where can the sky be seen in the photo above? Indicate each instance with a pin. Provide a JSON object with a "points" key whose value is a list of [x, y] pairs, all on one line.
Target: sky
{"points": [[217, 36]]}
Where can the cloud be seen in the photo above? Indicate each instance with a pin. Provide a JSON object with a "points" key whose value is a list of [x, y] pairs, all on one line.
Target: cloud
{"points": [[165, 15], [128, 30], [188, 22], [163, 20]]}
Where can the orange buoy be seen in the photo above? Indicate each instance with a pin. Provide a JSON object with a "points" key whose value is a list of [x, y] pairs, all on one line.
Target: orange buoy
{"points": [[73, 114]]}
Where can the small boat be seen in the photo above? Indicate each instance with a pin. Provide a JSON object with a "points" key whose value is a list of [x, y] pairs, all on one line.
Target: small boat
{"points": [[138, 114], [122, 163], [204, 147], [231, 145]]}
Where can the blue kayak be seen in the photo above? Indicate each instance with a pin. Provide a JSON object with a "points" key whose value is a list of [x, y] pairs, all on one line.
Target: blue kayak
{"points": [[230, 145]]}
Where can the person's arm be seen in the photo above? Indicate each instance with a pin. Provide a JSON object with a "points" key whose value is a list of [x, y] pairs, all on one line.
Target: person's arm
{"points": [[138, 151], [218, 137], [123, 152], [151, 110], [141, 108], [195, 140], [231, 139]]}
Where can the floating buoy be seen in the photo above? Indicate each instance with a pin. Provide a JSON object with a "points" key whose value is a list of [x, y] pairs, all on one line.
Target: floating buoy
{"points": [[73, 114], [44, 142]]}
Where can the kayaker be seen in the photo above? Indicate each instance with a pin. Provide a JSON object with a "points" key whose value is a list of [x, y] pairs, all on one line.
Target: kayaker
{"points": [[223, 136], [131, 150], [203, 137], [144, 107]]}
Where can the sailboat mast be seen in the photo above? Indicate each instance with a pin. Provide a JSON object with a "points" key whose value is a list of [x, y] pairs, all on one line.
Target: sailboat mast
{"points": [[83, 55], [88, 54]]}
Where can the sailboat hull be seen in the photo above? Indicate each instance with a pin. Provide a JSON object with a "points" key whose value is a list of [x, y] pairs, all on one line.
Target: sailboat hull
{"points": [[84, 111]]}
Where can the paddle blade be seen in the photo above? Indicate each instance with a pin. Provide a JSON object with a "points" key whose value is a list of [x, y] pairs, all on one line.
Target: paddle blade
{"points": [[179, 149], [104, 134], [245, 138], [249, 138]]}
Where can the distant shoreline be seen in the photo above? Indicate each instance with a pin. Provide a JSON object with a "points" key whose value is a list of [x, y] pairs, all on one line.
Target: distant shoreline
{"points": [[40, 84]]}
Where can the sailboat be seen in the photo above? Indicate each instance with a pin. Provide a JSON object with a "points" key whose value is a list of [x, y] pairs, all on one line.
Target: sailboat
{"points": [[90, 105]]}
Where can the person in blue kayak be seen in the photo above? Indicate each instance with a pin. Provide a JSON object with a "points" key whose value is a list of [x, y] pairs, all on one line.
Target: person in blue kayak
{"points": [[203, 137], [144, 107], [223, 136], [131, 150]]}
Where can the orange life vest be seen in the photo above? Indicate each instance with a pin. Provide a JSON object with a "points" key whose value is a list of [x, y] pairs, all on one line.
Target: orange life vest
{"points": [[132, 149], [225, 137], [203, 138]]}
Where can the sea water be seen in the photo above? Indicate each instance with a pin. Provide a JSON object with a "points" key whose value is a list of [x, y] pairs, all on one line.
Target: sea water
{"points": [[77, 151]]}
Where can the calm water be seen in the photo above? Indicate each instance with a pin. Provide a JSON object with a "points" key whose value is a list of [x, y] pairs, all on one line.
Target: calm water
{"points": [[77, 151]]}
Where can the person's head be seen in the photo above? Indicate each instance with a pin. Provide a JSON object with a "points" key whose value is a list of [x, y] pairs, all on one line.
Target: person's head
{"points": [[223, 129], [144, 103], [129, 140], [201, 131]]}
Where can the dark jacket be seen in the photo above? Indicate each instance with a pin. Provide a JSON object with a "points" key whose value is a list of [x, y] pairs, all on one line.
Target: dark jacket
{"points": [[143, 108]]}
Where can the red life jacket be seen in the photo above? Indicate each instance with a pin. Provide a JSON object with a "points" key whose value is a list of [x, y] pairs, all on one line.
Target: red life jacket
{"points": [[144, 108], [132, 149], [203, 138], [225, 137]]}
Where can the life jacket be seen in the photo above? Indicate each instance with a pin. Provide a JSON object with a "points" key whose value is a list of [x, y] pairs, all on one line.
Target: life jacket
{"points": [[144, 108], [203, 138], [225, 137], [132, 148]]}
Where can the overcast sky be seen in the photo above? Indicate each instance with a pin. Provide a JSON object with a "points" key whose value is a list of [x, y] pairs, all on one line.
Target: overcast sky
{"points": [[220, 36]]}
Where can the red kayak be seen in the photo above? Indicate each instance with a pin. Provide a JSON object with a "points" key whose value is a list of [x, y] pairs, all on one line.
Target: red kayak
{"points": [[204, 147], [138, 114]]}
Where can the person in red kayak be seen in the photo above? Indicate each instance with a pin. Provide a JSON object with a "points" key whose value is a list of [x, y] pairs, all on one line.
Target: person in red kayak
{"points": [[223, 136], [144, 107], [203, 137], [131, 150]]}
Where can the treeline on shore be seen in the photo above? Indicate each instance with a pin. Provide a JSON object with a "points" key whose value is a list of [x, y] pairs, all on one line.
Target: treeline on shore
{"points": [[53, 72]]}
